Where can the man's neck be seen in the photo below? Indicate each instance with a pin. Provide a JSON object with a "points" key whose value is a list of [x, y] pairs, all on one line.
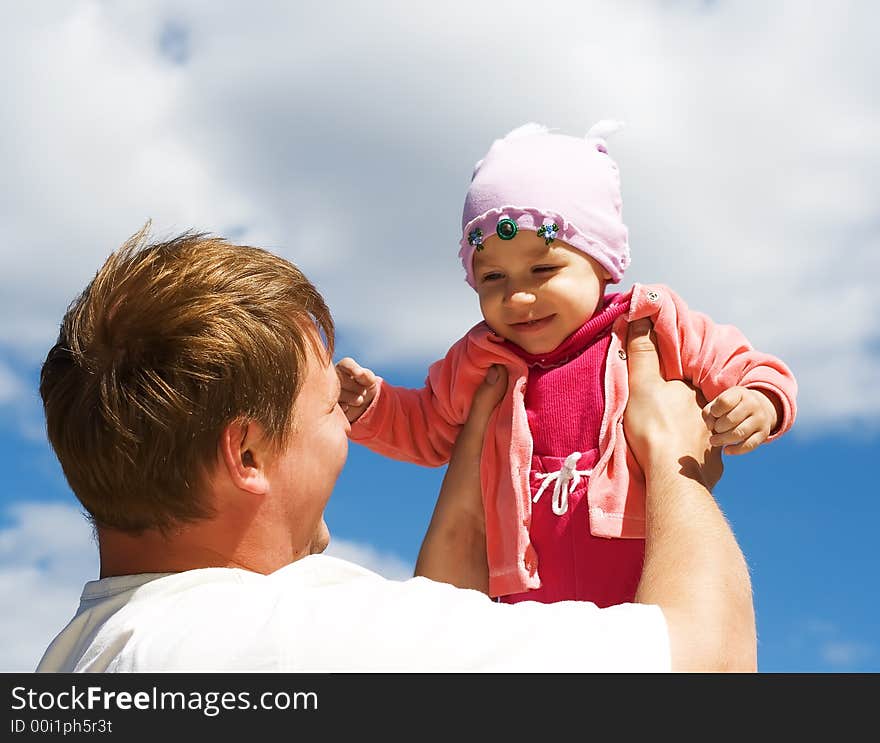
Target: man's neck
{"points": [[187, 548]]}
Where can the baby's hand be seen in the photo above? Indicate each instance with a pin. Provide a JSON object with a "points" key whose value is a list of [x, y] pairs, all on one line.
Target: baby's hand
{"points": [[358, 387], [740, 419]]}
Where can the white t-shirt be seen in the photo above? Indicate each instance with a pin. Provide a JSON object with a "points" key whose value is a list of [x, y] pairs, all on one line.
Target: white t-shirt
{"points": [[323, 614]]}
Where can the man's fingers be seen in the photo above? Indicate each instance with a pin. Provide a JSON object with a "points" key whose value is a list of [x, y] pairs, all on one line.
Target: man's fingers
{"points": [[469, 444], [643, 362], [487, 396]]}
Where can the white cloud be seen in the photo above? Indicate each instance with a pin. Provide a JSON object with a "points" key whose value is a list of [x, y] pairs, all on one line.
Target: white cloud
{"points": [[91, 152], [343, 137], [384, 563], [844, 655], [826, 642], [11, 386], [47, 554]]}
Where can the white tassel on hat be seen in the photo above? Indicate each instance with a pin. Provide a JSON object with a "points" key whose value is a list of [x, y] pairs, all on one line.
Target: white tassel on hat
{"points": [[604, 129]]}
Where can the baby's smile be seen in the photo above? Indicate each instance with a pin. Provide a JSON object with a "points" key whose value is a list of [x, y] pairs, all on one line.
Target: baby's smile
{"points": [[531, 326]]}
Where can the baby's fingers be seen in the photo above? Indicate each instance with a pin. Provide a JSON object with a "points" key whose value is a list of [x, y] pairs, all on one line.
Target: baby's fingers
{"points": [[738, 435], [730, 420], [351, 397], [348, 367], [750, 444], [366, 378], [724, 403]]}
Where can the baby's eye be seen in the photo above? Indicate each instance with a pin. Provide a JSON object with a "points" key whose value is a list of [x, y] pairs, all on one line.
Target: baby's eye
{"points": [[492, 276], [544, 269]]}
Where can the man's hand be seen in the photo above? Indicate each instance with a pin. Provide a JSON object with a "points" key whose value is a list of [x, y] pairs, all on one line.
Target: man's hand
{"points": [[358, 388], [740, 419], [663, 420]]}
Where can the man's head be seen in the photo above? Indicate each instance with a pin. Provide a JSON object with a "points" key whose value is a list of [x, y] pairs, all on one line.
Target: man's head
{"points": [[168, 345]]}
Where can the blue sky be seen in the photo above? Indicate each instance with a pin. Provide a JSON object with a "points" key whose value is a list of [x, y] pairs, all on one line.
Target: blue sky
{"points": [[343, 138]]}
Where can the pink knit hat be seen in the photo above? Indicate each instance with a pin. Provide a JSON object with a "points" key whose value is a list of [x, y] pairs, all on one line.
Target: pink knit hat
{"points": [[562, 187]]}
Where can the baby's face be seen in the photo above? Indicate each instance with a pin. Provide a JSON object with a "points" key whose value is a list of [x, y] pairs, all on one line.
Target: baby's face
{"points": [[533, 294]]}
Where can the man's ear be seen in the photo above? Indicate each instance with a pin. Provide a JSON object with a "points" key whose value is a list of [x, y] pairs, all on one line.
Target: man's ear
{"points": [[244, 454]]}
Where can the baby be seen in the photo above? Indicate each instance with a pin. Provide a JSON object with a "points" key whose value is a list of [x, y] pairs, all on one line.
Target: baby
{"points": [[542, 237]]}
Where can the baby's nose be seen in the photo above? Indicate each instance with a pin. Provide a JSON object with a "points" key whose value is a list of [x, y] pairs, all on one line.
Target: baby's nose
{"points": [[522, 297]]}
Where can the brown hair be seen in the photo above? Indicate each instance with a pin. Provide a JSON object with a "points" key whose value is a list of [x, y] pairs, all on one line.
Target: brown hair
{"points": [[168, 344]]}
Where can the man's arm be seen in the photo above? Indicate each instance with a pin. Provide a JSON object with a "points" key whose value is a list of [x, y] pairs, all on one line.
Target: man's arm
{"points": [[694, 569], [454, 548]]}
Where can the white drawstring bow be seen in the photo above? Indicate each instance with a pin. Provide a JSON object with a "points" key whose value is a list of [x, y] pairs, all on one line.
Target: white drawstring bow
{"points": [[566, 478]]}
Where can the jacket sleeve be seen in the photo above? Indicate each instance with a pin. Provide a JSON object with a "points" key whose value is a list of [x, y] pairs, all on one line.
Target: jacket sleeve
{"points": [[715, 357], [421, 425]]}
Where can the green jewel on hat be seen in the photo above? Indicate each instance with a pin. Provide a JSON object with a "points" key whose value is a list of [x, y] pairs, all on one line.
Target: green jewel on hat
{"points": [[506, 229]]}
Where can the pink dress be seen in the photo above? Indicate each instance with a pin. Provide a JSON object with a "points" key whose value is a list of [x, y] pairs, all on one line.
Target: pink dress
{"points": [[564, 403]]}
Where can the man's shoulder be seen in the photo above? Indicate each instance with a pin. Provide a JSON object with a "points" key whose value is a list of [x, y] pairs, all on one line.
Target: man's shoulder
{"points": [[319, 570], [204, 586], [205, 619]]}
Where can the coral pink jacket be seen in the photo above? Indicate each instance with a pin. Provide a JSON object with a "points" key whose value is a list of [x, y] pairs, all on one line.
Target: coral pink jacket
{"points": [[421, 426]]}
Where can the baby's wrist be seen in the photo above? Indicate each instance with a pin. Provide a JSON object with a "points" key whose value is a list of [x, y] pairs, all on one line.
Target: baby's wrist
{"points": [[774, 408]]}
